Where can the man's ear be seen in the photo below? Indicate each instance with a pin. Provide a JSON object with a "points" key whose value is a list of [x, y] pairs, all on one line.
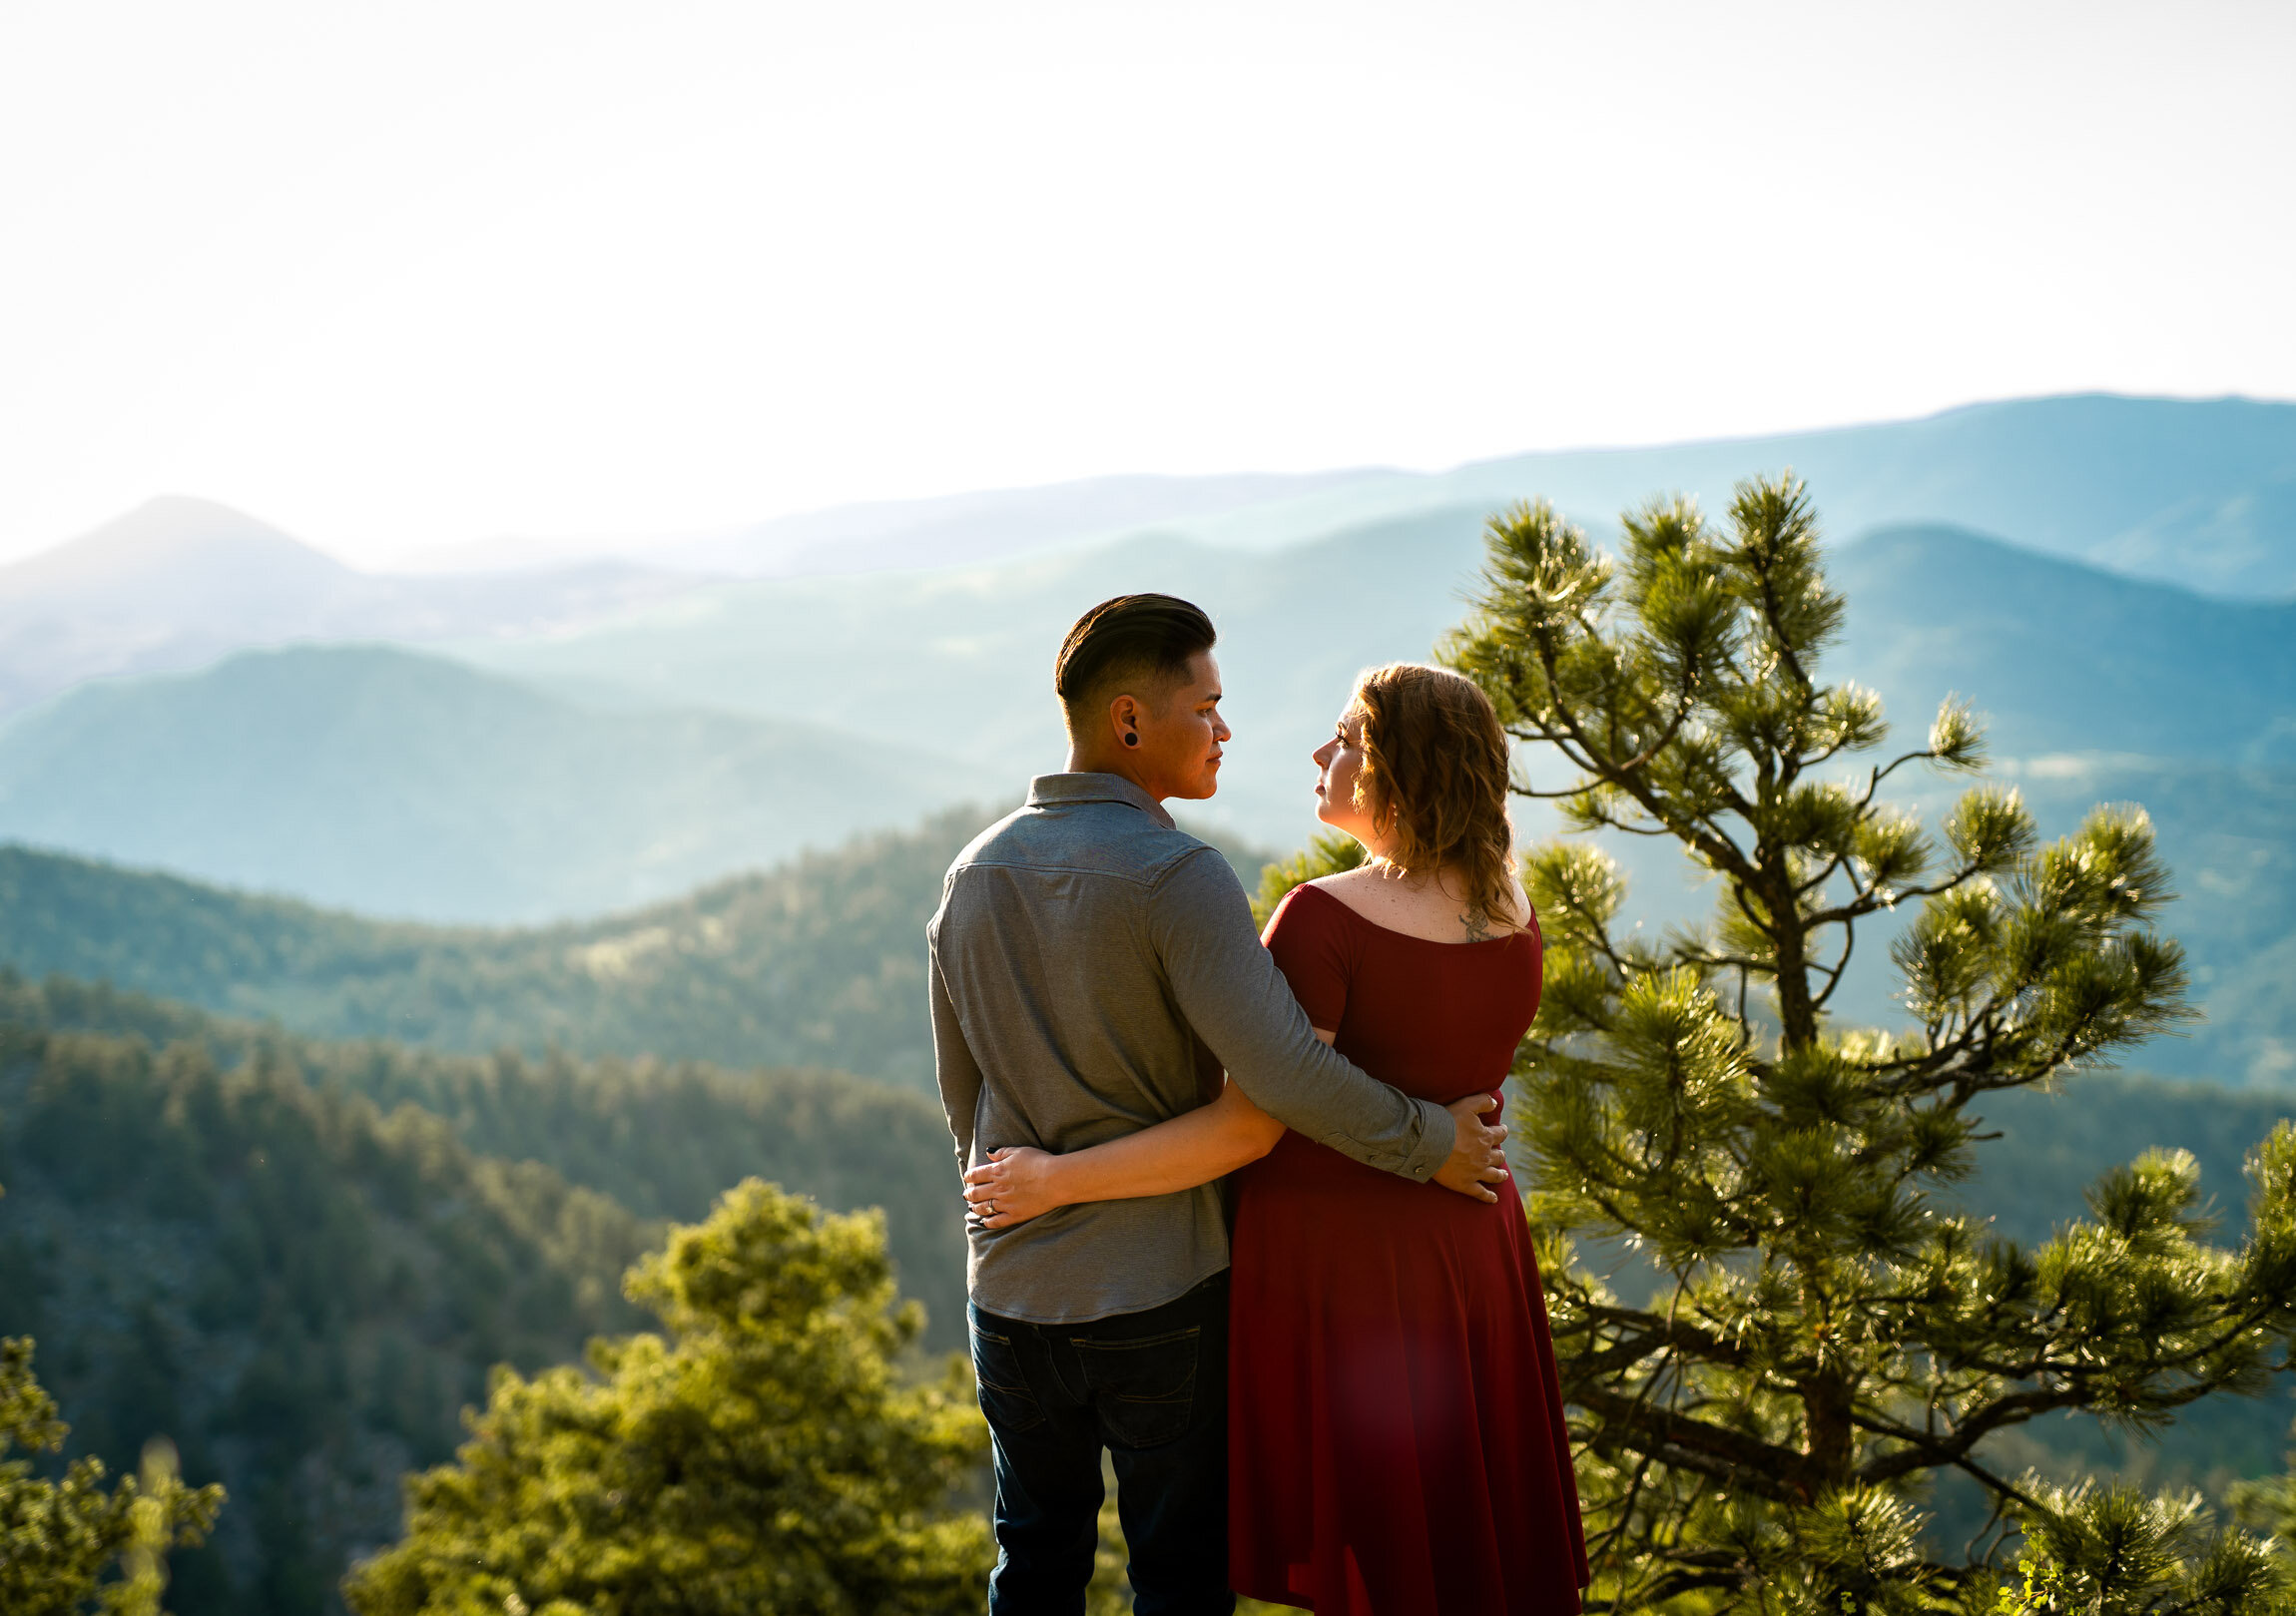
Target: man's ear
{"points": [[1125, 713]]}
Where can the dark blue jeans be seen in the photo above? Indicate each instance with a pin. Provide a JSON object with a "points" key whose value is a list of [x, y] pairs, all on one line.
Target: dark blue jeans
{"points": [[1152, 1388]]}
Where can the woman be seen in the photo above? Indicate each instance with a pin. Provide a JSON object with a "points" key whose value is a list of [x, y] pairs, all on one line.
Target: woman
{"points": [[1396, 1435]]}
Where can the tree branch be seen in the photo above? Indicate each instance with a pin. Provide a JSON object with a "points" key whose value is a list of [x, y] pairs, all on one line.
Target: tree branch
{"points": [[1722, 852], [1746, 1464]]}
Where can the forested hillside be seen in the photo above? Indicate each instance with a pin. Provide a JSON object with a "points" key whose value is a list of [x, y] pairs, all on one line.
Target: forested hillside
{"points": [[300, 1291], [300, 1260], [660, 1139], [820, 962], [817, 963], [259, 1243]]}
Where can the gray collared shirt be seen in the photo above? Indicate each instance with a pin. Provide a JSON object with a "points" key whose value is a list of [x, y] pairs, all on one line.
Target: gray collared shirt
{"points": [[1093, 969]]}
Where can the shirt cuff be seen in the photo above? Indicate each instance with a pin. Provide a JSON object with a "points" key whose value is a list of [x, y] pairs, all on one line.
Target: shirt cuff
{"points": [[1435, 1144]]}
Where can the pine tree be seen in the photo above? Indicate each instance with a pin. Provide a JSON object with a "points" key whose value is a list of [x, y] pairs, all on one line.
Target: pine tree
{"points": [[60, 1538], [2268, 1503], [1823, 1334], [768, 1459]]}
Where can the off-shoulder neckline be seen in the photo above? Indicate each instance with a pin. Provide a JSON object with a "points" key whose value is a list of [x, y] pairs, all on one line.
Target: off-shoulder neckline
{"points": [[1330, 896]]}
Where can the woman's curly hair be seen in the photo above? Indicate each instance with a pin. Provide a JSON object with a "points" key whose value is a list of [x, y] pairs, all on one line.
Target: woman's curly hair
{"points": [[1435, 777]]}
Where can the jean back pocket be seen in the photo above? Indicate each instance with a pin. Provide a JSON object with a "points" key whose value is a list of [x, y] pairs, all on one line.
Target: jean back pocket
{"points": [[1145, 1390]]}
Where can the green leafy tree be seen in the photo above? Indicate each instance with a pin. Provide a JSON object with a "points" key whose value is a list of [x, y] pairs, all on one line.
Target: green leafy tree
{"points": [[1819, 1335], [72, 1544], [767, 1456]]}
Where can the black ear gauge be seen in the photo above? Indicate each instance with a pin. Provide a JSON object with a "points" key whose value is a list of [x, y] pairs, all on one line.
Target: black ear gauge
{"points": [[1131, 740]]}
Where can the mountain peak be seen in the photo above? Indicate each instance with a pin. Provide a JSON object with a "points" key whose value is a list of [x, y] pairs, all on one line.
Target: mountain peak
{"points": [[172, 541]]}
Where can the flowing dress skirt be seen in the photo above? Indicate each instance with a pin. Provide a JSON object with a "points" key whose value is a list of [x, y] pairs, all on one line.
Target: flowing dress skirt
{"points": [[1397, 1444]]}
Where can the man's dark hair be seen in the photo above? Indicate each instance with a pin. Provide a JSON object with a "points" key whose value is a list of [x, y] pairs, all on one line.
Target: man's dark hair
{"points": [[1149, 638]]}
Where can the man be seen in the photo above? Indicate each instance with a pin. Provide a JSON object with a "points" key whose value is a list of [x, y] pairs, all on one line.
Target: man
{"points": [[1093, 971]]}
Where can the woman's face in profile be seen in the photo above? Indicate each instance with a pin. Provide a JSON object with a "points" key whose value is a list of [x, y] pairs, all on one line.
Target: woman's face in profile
{"points": [[1338, 762]]}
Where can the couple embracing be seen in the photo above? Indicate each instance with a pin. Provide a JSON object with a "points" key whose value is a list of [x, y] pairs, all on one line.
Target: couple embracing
{"points": [[1329, 1385]]}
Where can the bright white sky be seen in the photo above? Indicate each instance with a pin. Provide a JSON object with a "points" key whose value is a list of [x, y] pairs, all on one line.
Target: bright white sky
{"points": [[402, 275]]}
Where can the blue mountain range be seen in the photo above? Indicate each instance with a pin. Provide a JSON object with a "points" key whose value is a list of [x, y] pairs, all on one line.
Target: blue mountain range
{"points": [[2108, 580]]}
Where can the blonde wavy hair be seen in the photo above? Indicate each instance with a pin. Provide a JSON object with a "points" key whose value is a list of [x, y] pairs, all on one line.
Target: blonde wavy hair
{"points": [[1434, 778]]}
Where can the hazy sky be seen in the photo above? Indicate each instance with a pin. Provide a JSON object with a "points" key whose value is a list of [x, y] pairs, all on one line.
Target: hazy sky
{"points": [[399, 276]]}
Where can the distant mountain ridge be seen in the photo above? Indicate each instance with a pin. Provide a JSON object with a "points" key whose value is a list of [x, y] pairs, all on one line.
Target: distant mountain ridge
{"points": [[408, 785], [176, 582], [399, 783], [2067, 657], [2199, 493], [637, 758], [2195, 492], [2096, 687]]}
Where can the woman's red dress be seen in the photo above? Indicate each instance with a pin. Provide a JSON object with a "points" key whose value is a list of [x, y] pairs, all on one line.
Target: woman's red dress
{"points": [[1395, 1441]]}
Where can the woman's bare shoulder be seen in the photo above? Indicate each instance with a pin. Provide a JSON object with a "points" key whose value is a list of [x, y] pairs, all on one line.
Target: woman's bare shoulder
{"points": [[1524, 916], [1356, 891], [1363, 890], [1427, 909]]}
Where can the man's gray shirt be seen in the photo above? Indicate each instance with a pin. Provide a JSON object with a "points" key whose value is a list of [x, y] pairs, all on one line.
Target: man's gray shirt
{"points": [[1093, 967]]}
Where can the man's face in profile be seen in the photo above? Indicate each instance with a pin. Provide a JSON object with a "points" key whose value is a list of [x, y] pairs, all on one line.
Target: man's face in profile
{"points": [[1181, 735]]}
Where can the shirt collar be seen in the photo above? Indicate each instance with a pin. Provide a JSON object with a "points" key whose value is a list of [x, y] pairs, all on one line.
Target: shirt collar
{"points": [[1046, 789]]}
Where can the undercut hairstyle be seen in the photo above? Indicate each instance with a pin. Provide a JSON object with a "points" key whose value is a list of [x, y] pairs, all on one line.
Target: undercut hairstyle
{"points": [[1437, 770], [1144, 642]]}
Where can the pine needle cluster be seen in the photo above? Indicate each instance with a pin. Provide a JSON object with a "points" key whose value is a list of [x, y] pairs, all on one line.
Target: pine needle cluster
{"points": [[1790, 1332]]}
